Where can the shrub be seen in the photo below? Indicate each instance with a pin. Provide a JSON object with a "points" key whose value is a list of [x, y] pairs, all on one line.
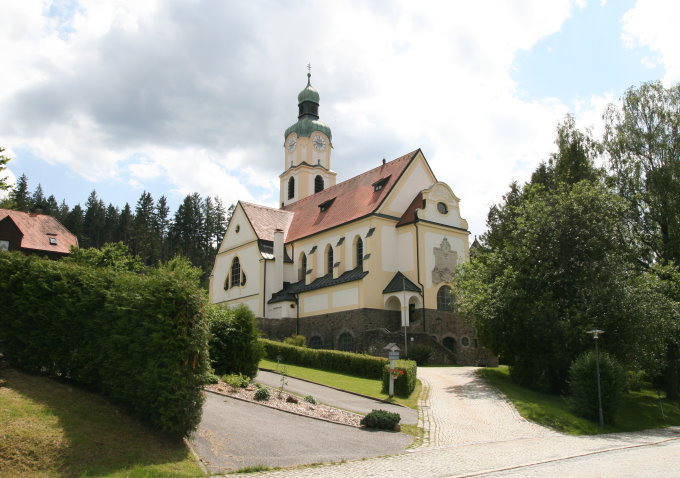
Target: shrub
{"points": [[381, 419], [237, 380], [297, 340], [139, 339], [211, 378], [405, 382], [359, 365], [420, 354], [635, 380], [234, 345], [310, 399], [262, 394], [583, 386]]}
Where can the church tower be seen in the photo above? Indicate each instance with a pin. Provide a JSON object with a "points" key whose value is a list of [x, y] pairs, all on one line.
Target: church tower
{"points": [[307, 151]]}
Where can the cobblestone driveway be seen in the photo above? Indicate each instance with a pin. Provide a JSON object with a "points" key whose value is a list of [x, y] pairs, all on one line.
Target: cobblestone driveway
{"points": [[474, 432]]}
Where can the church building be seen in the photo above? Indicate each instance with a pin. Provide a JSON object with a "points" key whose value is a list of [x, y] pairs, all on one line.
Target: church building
{"points": [[353, 265]]}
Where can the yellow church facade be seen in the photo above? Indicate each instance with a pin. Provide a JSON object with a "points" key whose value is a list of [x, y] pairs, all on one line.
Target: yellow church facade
{"points": [[353, 265]]}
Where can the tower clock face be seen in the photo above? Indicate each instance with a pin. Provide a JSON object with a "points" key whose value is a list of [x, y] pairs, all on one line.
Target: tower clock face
{"points": [[292, 142], [319, 142]]}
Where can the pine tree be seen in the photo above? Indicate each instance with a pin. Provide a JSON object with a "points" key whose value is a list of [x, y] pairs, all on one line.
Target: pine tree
{"points": [[51, 206], [20, 196], [162, 228], [38, 198], [125, 225], [75, 223], [111, 224], [142, 240]]}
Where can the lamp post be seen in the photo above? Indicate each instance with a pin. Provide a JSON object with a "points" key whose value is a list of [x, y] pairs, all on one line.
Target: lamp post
{"points": [[596, 335]]}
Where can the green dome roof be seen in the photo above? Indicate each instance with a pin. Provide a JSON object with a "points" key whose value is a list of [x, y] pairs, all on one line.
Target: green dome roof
{"points": [[309, 93], [306, 126]]}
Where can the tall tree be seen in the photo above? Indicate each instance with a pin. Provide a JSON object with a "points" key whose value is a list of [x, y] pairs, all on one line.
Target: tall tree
{"points": [[20, 195], [4, 186], [75, 223], [555, 266], [188, 229], [162, 228], [143, 231], [125, 225], [93, 222], [51, 206], [38, 198], [642, 138], [111, 224]]}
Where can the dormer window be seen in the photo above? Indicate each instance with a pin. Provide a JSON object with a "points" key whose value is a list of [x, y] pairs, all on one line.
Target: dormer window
{"points": [[323, 207], [380, 184]]}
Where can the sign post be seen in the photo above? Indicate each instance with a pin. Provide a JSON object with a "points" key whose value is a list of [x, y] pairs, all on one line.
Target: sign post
{"points": [[393, 356]]}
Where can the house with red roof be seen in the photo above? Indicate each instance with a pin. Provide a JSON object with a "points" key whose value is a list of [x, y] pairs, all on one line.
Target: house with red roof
{"points": [[353, 265], [34, 234]]}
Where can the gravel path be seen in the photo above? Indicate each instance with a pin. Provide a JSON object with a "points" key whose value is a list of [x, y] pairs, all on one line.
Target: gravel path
{"points": [[461, 409], [336, 398]]}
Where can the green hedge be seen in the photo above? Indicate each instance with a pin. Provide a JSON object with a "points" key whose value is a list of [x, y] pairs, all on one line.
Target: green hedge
{"points": [[139, 339], [404, 384], [359, 365], [234, 348]]}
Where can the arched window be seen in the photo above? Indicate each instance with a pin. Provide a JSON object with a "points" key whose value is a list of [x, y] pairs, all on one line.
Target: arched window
{"points": [[318, 183], [445, 299], [346, 342], [449, 343], [235, 272], [302, 271], [329, 260], [359, 249], [291, 188], [315, 342]]}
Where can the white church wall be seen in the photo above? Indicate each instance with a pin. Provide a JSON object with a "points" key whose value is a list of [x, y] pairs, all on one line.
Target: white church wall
{"points": [[314, 303], [346, 298], [244, 235], [434, 239], [389, 248], [406, 252], [249, 258], [416, 178]]}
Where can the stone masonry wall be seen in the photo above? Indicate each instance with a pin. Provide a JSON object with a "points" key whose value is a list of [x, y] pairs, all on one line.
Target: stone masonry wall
{"points": [[452, 340]]}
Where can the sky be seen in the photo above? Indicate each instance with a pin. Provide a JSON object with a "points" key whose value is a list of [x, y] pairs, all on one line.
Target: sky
{"points": [[181, 96]]}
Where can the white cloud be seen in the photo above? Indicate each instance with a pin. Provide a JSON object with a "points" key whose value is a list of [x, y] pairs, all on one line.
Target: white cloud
{"points": [[199, 94], [654, 24]]}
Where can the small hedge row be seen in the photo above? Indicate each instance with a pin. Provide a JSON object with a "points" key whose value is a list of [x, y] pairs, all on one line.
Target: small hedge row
{"points": [[405, 383], [142, 340], [359, 365]]}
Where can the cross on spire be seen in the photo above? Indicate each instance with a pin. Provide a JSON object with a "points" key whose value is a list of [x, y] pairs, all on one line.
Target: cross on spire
{"points": [[309, 74]]}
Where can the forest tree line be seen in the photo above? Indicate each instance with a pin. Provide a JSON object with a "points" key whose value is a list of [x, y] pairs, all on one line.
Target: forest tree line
{"points": [[149, 230]]}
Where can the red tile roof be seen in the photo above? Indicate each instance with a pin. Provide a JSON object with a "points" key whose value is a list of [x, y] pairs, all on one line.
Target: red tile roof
{"points": [[37, 230], [265, 220], [353, 199]]}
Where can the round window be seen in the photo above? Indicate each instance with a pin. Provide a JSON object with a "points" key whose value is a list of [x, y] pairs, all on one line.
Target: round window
{"points": [[465, 341], [442, 208]]}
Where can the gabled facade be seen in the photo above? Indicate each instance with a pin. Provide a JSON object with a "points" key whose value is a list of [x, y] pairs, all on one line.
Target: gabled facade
{"points": [[34, 234], [354, 264]]}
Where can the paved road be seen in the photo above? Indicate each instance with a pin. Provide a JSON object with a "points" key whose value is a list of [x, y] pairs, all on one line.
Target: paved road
{"points": [[335, 398], [487, 438], [234, 434]]}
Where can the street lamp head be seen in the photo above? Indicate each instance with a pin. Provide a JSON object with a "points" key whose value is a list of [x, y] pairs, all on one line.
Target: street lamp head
{"points": [[595, 333]]}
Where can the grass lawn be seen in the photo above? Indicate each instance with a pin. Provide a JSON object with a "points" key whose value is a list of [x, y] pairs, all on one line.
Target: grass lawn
{"points": [[364, 386], [639, 410], [52, 429]]}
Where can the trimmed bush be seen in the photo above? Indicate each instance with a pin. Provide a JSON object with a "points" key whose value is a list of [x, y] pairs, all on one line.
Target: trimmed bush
{"points": [[237, 380], [234, 345], [297, 340], [262, 394], [405, 382], [139, 339], [381, 419], [359, 365], [310, 399], [583, 386], [420, 354]]}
